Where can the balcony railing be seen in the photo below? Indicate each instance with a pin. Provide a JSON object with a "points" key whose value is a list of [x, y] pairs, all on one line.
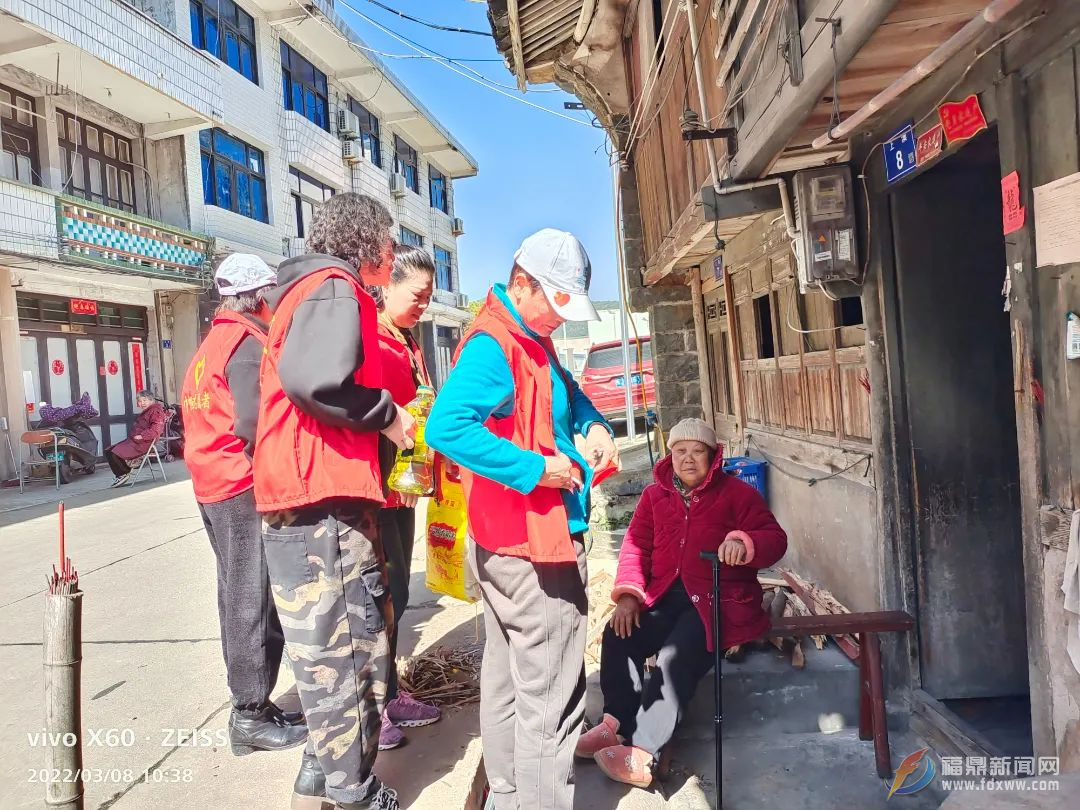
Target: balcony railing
{"points": [[95, 234]]}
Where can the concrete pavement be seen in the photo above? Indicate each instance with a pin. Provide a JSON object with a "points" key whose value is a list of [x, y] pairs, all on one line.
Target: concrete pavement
{"points": [[152, 668], [153, 676]]}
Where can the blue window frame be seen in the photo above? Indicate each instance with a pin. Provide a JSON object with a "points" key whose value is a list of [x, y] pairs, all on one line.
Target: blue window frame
{"points": [[407, 162], [234, 174], [303, 88], [444, 269], [437, 185], [369, 131], [411, 238], [226, 31]]}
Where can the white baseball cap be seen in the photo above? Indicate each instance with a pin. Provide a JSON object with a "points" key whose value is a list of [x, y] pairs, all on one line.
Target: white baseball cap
{"points": [[559, 262], [243, 272]]}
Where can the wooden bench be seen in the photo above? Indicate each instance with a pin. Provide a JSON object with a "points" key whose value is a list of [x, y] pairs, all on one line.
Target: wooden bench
{"points": [[873, 723]]}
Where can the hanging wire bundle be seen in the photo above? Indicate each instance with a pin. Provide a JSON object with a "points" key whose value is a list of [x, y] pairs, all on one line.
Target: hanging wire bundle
{"points": [[65, 581]]}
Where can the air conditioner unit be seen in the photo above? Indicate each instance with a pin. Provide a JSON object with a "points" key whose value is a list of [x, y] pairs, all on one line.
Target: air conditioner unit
{"points": [[457, 227], [352, 151], [348, 125], [397, 184]]}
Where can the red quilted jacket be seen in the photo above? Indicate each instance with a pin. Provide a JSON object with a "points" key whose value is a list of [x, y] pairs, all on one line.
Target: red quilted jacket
{"points": [[665, 539]]}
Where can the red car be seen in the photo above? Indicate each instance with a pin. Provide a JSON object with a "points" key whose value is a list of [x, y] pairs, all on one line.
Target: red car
{"points": [[604, 378]]}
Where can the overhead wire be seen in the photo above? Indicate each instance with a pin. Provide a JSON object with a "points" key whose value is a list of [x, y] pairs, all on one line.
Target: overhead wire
{"points": [[689, 78], [435, 26], [435, 55], [655, 65], [452, 68]]}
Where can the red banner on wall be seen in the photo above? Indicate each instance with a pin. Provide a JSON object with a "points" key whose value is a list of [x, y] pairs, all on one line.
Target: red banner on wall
{"points": [[137, 367], [963, 119], [80, 306]]}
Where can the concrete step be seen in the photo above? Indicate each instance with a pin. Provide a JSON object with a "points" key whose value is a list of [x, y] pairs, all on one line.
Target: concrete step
{"points": [[810, 771], [764, 694]]}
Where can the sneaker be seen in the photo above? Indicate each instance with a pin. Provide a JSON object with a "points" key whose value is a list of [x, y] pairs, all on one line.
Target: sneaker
{"points": [[120, 480], [385, 799], [390, 736], [603, 735], [407, 712], [626, 764]]}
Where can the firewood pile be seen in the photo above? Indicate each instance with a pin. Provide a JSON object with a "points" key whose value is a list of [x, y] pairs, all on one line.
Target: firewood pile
{"points": [[791, 595], [446, 677]]}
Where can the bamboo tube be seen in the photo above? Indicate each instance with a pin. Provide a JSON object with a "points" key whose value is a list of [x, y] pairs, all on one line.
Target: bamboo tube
{"points": [[62, 652]]}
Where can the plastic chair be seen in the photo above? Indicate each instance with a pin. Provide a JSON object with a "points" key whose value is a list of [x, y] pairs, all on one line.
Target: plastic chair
{"points": [[36, 438]]}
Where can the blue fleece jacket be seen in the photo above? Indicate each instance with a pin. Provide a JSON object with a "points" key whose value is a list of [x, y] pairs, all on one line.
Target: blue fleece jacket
{"points": [[481, 386]]}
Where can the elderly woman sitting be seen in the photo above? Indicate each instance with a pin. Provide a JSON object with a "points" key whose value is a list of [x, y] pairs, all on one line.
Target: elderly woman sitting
{"points": [[663, 592], [147, 428]]}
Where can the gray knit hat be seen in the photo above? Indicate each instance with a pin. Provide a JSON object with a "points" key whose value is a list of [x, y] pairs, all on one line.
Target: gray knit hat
{"points": [[696, 430]]}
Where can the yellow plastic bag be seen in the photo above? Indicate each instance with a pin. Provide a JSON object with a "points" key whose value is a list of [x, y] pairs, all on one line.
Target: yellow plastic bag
{"points": [[448, 567]]}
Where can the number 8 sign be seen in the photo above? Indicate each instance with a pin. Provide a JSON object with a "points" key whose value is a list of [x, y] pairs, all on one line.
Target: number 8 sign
{"points": [[899, 153]]}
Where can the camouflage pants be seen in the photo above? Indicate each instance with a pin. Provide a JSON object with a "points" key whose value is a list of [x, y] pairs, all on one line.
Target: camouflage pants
{"points": [[327, 573]]}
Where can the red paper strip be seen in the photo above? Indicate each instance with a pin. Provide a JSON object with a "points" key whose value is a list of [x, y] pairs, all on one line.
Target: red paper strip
{"points": [[1012, 212], [136, 365], [929, 145], [962, 120]]}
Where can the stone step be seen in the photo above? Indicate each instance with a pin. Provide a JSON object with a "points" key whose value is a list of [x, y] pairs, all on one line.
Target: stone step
{"points": [[764, 694]]}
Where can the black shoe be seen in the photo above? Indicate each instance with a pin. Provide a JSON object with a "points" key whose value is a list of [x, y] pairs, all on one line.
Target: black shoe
{"points": [[309, 789], [288, 718], [385, 799], [263, 731]]}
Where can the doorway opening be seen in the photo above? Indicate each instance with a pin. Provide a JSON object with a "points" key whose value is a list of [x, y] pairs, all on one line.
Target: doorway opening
{"points": [[959, 446]]}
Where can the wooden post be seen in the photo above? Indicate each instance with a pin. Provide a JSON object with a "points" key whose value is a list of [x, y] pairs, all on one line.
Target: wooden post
{"points": [[62, 653], [700, 337]]}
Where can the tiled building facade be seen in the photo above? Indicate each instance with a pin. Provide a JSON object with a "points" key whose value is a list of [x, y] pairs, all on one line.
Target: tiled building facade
{"points": [[134, 157]]}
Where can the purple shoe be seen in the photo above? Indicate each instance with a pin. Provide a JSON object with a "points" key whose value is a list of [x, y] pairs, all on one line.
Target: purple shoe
{"points": [[390, 736], [407, 712]]}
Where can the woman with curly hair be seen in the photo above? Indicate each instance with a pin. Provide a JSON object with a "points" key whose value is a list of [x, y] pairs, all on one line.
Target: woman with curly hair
{"points": [[319, 491]]}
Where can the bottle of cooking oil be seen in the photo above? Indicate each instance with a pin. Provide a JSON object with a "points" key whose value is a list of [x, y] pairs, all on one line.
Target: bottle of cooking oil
{"points": [[414, 469]]}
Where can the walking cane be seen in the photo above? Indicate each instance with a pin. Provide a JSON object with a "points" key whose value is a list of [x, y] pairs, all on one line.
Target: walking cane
{"points": [[718, 651]]}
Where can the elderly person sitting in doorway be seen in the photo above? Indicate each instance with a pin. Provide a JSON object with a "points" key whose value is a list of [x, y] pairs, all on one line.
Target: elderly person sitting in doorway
{"points": [[147, 428], [663, 592]]}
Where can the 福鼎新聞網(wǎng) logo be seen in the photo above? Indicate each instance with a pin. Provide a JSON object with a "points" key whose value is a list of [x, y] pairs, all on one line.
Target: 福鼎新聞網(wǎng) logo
{"points": [[907, 768]]}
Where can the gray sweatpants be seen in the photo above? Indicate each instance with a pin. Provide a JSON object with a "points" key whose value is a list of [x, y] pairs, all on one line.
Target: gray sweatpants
{"points": [[532, 681]]}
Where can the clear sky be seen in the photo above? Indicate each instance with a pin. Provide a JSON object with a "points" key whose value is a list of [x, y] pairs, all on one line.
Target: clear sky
{"points": [[536, 170]]}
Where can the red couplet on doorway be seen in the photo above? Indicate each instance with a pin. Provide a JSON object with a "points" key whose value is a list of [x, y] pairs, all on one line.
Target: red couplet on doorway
{"points": [[136, 365]]}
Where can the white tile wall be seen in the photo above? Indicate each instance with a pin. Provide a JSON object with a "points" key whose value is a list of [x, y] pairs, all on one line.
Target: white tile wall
{"points": [[27, 220], [257, 115], [131, 41], [312, 150]]}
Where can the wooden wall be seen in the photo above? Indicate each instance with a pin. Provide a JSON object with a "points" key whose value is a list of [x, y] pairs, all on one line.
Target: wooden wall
{"points": [[801, 372], [669, 171]]}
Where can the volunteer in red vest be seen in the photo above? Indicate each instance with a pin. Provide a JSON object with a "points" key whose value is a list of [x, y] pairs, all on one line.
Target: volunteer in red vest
{"points": [[509, 414], [220, 402], [319, 489], [402, 303]]}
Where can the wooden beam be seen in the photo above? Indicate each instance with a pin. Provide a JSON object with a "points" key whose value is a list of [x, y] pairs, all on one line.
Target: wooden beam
{"points": [[515, 42], [760, 143], [746, 19], [725, 27]]}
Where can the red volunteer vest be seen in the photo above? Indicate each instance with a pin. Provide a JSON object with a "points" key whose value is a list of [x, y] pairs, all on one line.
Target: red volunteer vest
{"points": [[501, 519], [301, 461], [220, 469]]}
